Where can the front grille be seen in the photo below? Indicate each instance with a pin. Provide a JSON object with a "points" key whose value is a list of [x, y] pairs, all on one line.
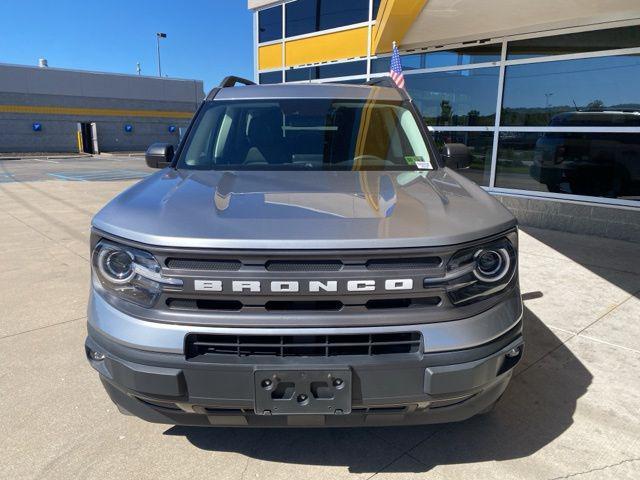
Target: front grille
{"points": [[304, 266], [215, 305], [203, 264], [423, 263], [310, 288], [200, 345]]}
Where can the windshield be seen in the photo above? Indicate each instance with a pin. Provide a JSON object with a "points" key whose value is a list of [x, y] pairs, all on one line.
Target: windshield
{"points": [[305, 134]]}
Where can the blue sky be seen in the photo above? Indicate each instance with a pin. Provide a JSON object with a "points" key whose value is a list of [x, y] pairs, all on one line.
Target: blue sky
{"points": [[207, 39]]}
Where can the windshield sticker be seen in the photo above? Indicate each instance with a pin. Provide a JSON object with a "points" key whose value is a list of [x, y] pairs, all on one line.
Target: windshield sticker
{"points": [[417, 161]]}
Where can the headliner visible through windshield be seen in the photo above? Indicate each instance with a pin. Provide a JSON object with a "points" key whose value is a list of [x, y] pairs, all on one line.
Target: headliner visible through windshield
{"points": [[305, 134]]}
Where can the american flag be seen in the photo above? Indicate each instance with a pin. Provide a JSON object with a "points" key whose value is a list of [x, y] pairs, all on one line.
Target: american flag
{"points": [[396, 67]]}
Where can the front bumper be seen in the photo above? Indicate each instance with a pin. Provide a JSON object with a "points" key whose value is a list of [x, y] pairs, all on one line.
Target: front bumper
{"points": [[416, 388]]}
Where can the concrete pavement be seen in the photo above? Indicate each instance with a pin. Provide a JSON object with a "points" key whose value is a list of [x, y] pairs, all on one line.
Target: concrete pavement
{"points": [[573, 408]]}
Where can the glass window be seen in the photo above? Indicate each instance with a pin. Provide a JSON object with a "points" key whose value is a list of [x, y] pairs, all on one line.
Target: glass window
{"points": [[301, 74], [591, 164], [345, 69], [463, 97], [301, 17], [333, 70], [624, 37], [376, 8], [307, 134], [338, 13], [442, 58], [464, 56], [473, 160], [307, 16], [270, 77], [561, 93], [270, 24], [409, 62]]}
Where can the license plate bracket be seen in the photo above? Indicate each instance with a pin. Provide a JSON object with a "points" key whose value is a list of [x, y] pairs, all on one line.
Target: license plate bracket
{"points": [[302, 392]]}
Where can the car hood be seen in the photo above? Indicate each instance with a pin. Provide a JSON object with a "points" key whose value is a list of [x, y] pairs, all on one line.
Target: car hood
{"points": [[303, 210]]}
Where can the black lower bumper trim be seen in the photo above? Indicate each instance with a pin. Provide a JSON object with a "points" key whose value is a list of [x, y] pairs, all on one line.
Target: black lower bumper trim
{"points": [[394, 389], [359, 417]]}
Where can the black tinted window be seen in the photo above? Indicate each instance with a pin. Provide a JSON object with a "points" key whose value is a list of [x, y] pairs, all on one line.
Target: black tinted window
{"points": [[342, 69], [376, 8], [270, 24], [625, 37], [270, 77], [561, 93], [338, 13], [307, 134], [591, 164], [333, 70], [307, 16], [301, 74], [301, 17]]}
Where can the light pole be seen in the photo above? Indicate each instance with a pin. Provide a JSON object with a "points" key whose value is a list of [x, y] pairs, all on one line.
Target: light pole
{"points": [[159, 35], [547, 96]]}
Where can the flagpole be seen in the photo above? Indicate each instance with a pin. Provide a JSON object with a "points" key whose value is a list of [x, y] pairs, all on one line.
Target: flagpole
{"points": [[395, 70]]}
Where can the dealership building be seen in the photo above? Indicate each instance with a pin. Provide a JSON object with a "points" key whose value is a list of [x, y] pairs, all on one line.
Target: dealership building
{"points": [[544, 94], [46, 109]]}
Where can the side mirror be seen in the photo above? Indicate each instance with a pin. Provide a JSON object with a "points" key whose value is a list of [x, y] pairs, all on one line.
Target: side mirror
{"points": [[456, 155], [159, 155]]}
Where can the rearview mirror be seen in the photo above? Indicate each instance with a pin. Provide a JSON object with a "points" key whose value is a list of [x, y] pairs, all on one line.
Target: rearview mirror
{"points": [[159, 155], [456, 155]]}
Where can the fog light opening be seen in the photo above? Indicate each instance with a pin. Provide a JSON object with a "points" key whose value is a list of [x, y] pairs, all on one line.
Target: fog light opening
{"points": [[97, 356], [514, 352]]}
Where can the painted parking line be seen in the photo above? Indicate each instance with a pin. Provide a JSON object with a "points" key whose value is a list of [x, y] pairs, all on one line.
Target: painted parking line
{"points": [[44, 160], [96, 175], [6, 178]]}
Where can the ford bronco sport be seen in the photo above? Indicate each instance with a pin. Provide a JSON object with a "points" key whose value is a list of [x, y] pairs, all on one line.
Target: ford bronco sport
{"points": [[305, 258]]}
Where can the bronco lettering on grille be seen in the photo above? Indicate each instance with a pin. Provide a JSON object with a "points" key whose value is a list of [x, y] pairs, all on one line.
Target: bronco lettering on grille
{"points": [[294, 286]]}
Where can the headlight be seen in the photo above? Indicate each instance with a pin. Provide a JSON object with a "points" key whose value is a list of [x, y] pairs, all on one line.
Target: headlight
{"points": [[129, 273], [476, 273], [491, 264], [116, 266]]}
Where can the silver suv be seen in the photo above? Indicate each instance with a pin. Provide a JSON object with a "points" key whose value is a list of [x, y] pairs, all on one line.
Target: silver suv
{"points": [[304, 258]]}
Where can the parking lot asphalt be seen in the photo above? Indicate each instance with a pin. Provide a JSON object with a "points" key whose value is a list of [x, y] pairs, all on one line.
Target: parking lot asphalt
{"points": [[572, 410], [102, 167]]}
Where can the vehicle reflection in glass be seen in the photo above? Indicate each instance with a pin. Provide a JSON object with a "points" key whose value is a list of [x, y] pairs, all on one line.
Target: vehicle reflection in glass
{"points": [[602, 164]]}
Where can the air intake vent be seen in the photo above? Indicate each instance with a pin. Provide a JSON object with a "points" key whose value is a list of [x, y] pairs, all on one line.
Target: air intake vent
{"points": [[422, 263], [201, 304], [199, 346], [288, 305], [304, 266], [403, 302], [203, 265]]}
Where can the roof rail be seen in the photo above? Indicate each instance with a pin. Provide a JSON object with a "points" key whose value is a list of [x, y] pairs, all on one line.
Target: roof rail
{"points": [[382, 82], [389, 83], [231, 80], [227, 82]]}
